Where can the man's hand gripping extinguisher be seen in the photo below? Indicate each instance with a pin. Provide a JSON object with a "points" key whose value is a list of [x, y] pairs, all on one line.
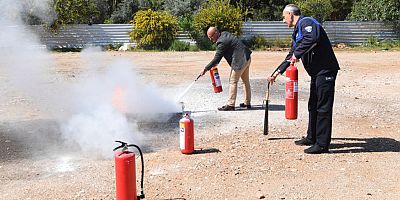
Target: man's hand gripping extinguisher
{"points": [[125, 172], [292, 92], [216, 80]]}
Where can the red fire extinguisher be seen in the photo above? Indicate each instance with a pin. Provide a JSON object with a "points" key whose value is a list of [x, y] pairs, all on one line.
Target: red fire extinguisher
{"points": [[186, 132], [292, 91], [125, 172], [215, 79]]}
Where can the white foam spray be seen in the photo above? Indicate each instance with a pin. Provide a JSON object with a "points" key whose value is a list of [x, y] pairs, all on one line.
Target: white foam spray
{"points": [[185, 91]]}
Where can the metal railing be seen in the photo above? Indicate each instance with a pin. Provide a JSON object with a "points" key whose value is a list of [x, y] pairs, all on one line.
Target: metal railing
{"points": [[79, 36]]}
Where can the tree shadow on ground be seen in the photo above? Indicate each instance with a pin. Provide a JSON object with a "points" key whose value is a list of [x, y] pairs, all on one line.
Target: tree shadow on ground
{"points": [[361, 145]]}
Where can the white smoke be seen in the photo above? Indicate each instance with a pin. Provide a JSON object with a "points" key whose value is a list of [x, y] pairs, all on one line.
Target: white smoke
{"points": [[102, 97], [91, 109], [23, 62]]}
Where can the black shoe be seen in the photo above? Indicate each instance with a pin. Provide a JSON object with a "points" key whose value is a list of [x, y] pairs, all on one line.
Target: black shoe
{"points": [[316, 149], [243, 105], [304, 142], [226, 108]]}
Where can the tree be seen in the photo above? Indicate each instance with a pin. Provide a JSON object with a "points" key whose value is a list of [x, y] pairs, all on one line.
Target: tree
{"points": [[182, 8], [341, 8], [105, 10], [375, 10], [261, 10], [125, 11], [74, 12], [151, 4], [319, 9]]}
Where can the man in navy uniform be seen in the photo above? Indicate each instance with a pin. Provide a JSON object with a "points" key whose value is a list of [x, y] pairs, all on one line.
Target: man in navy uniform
{"points": [[311, 43]]}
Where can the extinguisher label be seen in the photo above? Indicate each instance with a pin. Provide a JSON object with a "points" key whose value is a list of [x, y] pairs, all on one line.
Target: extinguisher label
{"points": [[182, 135], [291, 88], [295, 86], [217, 79]]}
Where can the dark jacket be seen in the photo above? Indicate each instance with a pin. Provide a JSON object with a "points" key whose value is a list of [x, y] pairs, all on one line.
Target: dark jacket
{"points": [[312, 45], [232, 49]]}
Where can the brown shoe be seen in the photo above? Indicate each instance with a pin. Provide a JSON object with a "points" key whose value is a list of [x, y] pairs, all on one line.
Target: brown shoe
{"points": [[226, 108], [243, 105]]}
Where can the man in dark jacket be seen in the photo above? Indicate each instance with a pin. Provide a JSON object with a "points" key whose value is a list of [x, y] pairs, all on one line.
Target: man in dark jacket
{"points": [[238, 57], [312, 45]]}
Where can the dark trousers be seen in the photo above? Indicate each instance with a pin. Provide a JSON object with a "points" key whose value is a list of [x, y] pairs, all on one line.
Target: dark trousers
{"points": [[320, 104]]}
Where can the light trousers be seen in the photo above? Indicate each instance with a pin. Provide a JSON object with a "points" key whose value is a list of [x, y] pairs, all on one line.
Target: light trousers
{"points": [[233, 82]]}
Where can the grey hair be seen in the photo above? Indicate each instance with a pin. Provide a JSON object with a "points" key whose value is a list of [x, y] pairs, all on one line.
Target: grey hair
{"points": [[292, 9]]}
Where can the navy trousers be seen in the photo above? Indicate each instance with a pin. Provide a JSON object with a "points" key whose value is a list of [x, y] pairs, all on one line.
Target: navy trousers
{"points": [[320, 105]]}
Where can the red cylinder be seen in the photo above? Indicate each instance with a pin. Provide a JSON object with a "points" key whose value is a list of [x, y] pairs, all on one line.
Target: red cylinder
{"points": [[291, 99], [215, 79], [125, 175], [186, 141]]}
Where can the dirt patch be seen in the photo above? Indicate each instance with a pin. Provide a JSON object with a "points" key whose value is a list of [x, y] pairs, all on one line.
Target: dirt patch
{"points": [[233, 160]]}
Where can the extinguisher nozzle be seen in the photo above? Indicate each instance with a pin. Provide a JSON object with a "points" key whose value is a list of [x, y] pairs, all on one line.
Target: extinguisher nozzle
{"points": [[198, 77]]}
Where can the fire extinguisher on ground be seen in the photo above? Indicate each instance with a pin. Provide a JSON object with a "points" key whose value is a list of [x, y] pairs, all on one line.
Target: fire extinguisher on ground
{"points": [[186, 134], [216, 80], [291, 99], [125, 172]]}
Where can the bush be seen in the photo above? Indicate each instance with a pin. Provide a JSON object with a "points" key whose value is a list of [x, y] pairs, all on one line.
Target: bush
{"points": [[221, 14], [375, 42], [218, 13], [282, 43], [259, 43], [372, 41], [193, 47], [154, 29], [179, 46]]}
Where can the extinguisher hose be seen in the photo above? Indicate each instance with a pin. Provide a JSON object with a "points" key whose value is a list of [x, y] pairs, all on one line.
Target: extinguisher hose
{"points": [[141, 196], [267, 105]]}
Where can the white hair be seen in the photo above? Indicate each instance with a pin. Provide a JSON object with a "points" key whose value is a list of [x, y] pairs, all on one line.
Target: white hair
{"points": [[292, 9]]}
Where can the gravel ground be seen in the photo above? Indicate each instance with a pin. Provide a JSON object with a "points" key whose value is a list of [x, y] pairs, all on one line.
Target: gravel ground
{"points": [[233, 159]]}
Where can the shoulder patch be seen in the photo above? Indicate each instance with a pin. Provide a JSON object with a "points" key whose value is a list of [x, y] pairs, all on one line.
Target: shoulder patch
{"points": [[308, 28]]}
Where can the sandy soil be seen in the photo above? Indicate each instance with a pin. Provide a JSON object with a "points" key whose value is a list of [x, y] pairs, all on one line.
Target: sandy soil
{"points": [[233, 159]]}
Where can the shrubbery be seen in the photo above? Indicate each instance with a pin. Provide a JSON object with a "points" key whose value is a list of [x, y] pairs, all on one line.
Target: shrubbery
{"points": [[221, 14], [179, 46], [154, 29], [218, 13], [261, 43]]}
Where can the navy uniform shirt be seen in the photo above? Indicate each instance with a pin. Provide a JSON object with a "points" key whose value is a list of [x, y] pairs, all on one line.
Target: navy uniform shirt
{"points": [[312, 45]]}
